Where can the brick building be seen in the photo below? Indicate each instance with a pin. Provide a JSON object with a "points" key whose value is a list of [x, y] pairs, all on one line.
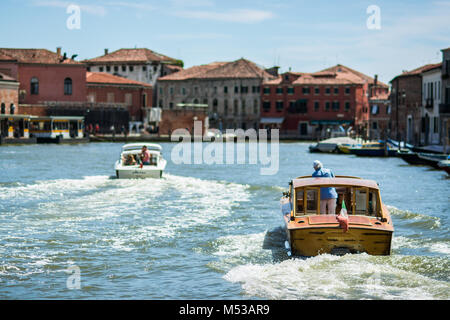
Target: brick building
{"points": [[134, 96], [406, 105], [311, 105], [44, 75], [230, 90]]}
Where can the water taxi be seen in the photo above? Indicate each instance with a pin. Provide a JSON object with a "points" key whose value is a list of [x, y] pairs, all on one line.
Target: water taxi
{"points": [[368, 227], [375, 149], [130, 164]]}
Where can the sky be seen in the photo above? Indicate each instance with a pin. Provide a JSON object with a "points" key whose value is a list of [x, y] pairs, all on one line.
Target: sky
{"points": [[302, 36]]}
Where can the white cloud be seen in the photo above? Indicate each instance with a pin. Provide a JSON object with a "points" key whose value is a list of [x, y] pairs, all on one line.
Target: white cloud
{"points": [[236, 15]]}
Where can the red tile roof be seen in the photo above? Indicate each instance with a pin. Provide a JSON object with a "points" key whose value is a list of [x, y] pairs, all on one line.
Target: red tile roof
{"points": [[419, 70], [380, 96], [137, 55], [106, 78], [39, 56], [239, 69]]}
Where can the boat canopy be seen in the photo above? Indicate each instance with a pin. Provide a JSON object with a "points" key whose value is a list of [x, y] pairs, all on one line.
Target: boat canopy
{"points": [[344, 181], [139, 145]]}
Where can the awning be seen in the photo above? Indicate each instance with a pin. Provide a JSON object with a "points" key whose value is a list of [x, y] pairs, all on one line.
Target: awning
{"points": [[272, 120], [331, 122]]}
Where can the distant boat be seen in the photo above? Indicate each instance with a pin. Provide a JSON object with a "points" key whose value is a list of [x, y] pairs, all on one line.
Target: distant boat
{"points": [[410, 157], [331, 145], [375, 149], [432, 159], [128, 166], [445, 165], [345, 147]]}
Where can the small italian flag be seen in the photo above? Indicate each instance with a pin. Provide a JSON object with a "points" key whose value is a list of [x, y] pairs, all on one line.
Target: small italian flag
{"points": [[342, 217]]}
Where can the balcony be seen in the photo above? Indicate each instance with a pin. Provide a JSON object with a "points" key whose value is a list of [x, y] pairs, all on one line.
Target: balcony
{"points": [[444, 108]]}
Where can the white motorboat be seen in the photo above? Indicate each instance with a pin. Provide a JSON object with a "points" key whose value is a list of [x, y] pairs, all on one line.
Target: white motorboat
{"points": [[130, 165]]}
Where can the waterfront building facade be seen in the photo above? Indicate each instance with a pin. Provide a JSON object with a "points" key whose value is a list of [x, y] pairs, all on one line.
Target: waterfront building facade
{"points": [[229, 90], [134, 96], [431, 99], [313, 105], [444, 107]]}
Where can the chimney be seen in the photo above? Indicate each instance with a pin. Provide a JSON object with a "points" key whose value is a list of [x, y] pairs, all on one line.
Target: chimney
{"points": [[375, 81], [58, 51], [106, 51]]}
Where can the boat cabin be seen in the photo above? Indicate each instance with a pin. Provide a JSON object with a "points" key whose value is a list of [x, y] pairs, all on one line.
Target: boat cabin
{"points": [[131, 153], [362, 197]]}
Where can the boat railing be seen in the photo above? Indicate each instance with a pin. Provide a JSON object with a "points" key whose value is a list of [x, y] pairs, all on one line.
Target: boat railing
{"points": [[348, 177]]}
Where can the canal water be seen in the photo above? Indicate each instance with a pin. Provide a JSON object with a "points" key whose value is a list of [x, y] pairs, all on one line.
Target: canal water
{"points": [[70, 230]]}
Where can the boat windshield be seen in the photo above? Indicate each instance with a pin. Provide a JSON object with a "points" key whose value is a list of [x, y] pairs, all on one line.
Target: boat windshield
{"points": [[358, 201]]}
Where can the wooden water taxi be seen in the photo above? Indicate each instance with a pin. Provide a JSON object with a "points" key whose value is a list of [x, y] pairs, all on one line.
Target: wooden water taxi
{"points": [[310, 233]]}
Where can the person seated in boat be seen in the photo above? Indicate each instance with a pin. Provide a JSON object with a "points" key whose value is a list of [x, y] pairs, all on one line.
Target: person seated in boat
{"points": [[130, 161], [328, 196], [145, 156]]}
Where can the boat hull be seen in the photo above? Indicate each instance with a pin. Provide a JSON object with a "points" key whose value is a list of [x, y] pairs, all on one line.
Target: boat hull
{"points": [[361, 152], [310, 242], [138, 173]]}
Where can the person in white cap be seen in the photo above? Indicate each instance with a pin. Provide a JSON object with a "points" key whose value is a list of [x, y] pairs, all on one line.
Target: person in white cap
{"points": [[328, 196]]}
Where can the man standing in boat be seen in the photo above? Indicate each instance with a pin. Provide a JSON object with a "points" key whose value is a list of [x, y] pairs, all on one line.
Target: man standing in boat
{"points": [[328, 196], [145, 156]]}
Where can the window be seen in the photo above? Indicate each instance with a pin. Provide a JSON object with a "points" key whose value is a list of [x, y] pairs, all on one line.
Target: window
{"points": [[290, 90], [116, 68], [305, 90], [225, 89], [88, 69], [12, 108], [67, 86], [144, 68], [327, 90], [436, 125], [124, 68], [266, 106], [311, 201], [101, 69], [108, 68], [131, 68], [373, 204], [374, 125], [215, 89], [236, 89], [244, 89], [266, 90], [316, 106], [34, 86], [279, 90], [347, 90], [316, 90], [255, 106], [3, 109], [327, 106], [336, 90], [279, 106], [236, 107], [299, 198], [171, 90], [347, 106], [300, 106], [183, 91], [243, 107], [170, 105], [336, 106], [360, 201], [215, 103], [196, 90], [225, 107]]}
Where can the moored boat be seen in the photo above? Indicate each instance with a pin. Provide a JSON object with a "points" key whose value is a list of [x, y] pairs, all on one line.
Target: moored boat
{"points": [[331, 145], [309, 233], [375, 149], [432, 159], [130, 164], [445, 165]]}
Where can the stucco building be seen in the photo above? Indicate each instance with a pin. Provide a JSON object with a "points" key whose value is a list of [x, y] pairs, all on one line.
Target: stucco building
{"points": [[229, 90]]}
